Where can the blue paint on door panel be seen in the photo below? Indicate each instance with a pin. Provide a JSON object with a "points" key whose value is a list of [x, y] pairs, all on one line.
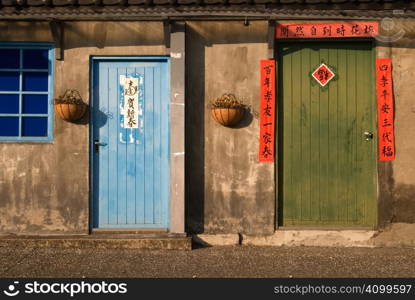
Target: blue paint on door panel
{"points": [[130, 175]]}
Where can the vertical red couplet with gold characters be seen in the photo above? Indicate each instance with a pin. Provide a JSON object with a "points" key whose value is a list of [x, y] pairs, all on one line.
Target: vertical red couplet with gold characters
{"points": [[267, 112], [385, 109]]}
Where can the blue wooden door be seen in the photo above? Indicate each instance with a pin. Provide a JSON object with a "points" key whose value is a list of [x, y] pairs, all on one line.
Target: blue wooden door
{"points": [[130, 143]]}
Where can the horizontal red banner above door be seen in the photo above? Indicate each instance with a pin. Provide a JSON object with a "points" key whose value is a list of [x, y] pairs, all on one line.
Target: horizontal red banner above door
{"points": [[327, 30]]}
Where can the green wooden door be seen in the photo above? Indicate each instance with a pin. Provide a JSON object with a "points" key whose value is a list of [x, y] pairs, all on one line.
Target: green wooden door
{"points": [[327, 168]]}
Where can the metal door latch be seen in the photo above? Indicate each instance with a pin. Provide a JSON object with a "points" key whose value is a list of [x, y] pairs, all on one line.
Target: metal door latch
{"points": [[368, 135], [98, 144]]}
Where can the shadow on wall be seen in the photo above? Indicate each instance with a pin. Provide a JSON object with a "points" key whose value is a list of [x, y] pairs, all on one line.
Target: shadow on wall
{"points": [[112, 34], [404, 203], [224, 192], [396, 200], [88, 34], [195, 133], [246, 119]]}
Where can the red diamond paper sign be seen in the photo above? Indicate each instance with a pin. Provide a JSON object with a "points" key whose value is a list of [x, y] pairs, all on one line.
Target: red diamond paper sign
{"points": [[323, 75]]}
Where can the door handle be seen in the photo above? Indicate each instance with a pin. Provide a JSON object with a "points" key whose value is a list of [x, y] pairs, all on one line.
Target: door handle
{"points": [[97, 144], [368, 135]]}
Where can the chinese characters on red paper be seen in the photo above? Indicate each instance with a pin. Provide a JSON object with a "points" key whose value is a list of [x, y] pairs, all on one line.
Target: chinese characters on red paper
{"points": [[267, 111], [327, 30], [385, 109]]}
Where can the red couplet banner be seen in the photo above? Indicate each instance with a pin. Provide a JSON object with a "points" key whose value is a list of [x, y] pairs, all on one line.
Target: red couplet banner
{"points": [[385, 109], [327, 30], [267, 112]]}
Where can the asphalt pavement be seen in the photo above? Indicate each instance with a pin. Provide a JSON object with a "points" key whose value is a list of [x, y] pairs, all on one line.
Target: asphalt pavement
{"points": [[225, 261]]}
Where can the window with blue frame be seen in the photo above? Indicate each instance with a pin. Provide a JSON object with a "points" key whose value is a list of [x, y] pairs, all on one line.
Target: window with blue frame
{"points": [[26, 86]]}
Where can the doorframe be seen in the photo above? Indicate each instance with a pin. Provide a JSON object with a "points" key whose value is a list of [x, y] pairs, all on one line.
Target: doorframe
{"points": [[92, 61], [278, 43]]}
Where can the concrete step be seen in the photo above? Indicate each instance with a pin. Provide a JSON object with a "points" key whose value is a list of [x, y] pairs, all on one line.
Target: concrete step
{"points": [[99, 242], [142, 231]]}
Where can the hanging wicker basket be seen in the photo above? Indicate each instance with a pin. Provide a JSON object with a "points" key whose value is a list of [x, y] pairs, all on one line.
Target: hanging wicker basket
{"points": [[70, 106], [70, 112], [227, 110], [227, 116]]}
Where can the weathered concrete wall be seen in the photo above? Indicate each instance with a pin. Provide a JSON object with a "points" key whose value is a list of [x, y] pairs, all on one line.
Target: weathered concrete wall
{"points": [[227, 189], [238, 194], [397, 178], [44, 187]]}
